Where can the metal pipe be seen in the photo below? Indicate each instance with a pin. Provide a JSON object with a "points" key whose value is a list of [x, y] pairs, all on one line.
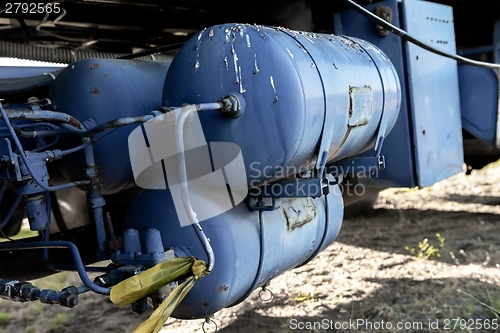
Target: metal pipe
{"points": [[11, 246], [209, 106], [46, 238], [42, 115], [38, 124], [95, 199], [27, 162], [116, 123], [11, 211], [45, 147], [179, 130]]}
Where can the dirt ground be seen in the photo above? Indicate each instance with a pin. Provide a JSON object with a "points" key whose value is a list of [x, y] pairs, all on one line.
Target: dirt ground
{"points": [[369, 276]]}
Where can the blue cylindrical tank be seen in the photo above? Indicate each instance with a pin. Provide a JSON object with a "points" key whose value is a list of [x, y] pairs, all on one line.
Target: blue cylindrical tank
{"points": [[292, 234], [105, 90], [296, 86]]}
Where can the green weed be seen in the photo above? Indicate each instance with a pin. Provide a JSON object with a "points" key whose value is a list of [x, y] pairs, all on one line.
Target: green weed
{"points": [[426, 250]]}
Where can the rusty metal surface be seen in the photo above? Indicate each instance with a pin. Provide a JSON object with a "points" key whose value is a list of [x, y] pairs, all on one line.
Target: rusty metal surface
{"points": [[298, 212]]}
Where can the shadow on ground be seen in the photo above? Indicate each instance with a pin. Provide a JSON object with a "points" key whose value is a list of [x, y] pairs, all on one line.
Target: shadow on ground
{"points": [[417, 304], [470, 237]]}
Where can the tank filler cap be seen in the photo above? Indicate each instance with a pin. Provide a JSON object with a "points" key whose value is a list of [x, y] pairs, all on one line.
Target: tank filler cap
{"points": [[233, 105]]}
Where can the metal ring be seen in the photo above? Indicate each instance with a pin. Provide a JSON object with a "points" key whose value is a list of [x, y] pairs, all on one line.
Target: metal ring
{"points": [[271, 295], [209, 320]]}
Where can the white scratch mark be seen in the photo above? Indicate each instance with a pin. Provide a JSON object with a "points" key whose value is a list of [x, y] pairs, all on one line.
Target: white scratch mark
{"points": [[241, 82], [248, 40], [256, 70], [200, 35], [272, 83], [235, 62], [289, 52], [225, 61]]}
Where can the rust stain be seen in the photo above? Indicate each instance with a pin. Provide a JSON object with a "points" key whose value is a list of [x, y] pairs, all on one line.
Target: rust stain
{"points": [[95, 91], [298, 212], [94, 66], [360, 105], [223, 288], [106, 74], [74, 122]]}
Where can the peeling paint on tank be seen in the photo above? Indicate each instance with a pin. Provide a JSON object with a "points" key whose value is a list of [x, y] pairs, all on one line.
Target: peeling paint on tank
{"points": [[272, 83], [223, 288], [274, 89], [309, 39], [235, 63], [248, 40], [256, 70], [242, 90], [200, 35], [298, 212], [226, 63], [211, 32]]}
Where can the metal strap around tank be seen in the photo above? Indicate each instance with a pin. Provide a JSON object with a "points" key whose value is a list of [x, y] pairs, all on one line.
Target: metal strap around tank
{"points": [[328, 119], [258, 275], [325, 233]]}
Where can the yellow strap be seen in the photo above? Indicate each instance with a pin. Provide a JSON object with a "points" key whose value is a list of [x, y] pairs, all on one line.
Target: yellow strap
{"points": [[155, 322], [142, 284]]}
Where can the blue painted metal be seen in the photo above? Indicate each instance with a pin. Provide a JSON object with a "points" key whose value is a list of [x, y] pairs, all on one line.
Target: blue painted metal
{"points": [[147, 252], [290, 81], [433, 85], [357, 165], [17, 72], [36, 211], [479, 102], [12, 246], [398, 145], [105, 90], [297, 228], [425, 145]]}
